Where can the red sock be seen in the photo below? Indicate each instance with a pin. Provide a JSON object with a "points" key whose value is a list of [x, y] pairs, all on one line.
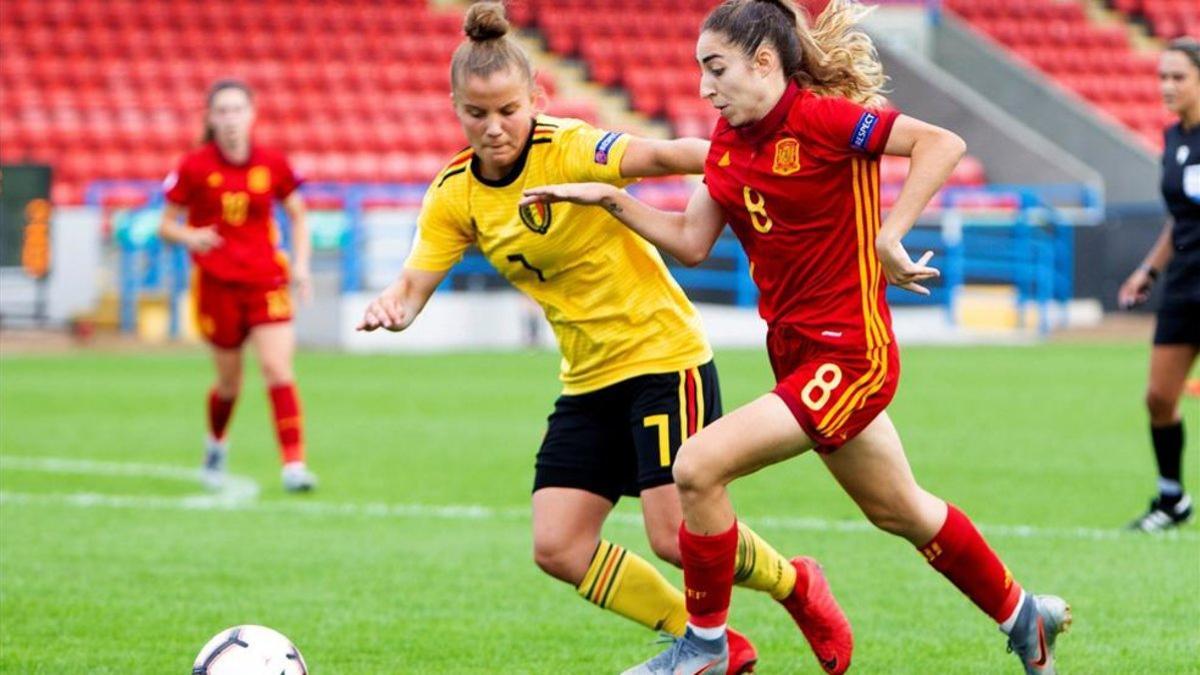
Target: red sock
{"points": [[219, 412], [961, 554], [288, 422], [708, 574]]}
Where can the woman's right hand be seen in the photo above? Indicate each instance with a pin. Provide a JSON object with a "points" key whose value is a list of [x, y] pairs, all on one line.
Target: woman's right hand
{"points": [[202, 239], [386, 311], [1136, 288]]}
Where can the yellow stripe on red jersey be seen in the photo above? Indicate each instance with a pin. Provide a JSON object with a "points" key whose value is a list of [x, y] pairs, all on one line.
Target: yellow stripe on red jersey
{"points": [[615, 309]]}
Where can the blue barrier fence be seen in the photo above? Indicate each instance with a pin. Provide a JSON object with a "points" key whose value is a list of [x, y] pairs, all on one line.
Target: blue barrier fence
{"points": [[1027, 242]]}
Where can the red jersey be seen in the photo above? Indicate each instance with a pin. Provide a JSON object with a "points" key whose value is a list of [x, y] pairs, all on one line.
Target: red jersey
{"points": [[800, 188], [238, 200]]}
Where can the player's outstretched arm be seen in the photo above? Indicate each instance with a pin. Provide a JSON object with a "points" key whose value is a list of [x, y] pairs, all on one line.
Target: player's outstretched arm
{"points": [[935, 152], [401, 302], [646, 157], [687, 236]]}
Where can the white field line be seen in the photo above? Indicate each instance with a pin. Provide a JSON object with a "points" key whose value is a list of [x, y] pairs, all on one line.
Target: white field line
{"points": [[238, 490], [241, 494]]}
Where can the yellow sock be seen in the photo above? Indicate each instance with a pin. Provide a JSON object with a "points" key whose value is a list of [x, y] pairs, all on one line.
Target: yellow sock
{"points": [[624, 583], [759, 566]]}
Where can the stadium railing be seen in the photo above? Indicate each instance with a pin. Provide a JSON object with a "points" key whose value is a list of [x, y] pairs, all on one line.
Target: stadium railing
{"points": [[1016, 235]]}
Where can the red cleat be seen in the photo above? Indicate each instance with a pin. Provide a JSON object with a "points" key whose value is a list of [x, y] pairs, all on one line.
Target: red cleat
{"points": [[742, 655], [819, 617]]}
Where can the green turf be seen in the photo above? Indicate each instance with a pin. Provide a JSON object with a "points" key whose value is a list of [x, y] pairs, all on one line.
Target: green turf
{"points": [[1052, 437]]}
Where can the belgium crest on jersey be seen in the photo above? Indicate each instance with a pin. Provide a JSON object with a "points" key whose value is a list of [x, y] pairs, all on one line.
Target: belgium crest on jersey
{"points": [[787, 156], [536, 216]]}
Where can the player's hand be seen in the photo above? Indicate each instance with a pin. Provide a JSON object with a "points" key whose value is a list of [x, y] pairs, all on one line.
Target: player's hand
{"points": [[385, 311], [588, 194], [900, 269], [302, 278], [1136, 289], [203, 239]]}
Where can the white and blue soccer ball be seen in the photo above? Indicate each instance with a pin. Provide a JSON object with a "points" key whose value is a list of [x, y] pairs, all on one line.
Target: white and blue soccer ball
{"points": [[249, 650]]}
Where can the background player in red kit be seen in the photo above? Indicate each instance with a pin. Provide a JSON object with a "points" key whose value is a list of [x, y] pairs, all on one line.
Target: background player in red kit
{"points": [[228, 187], [793, 167]]}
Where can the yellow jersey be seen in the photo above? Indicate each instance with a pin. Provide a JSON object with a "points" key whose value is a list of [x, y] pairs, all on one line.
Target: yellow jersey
{"points": [[615, 310]]}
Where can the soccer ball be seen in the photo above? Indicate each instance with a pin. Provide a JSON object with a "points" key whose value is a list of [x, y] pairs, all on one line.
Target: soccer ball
{"points": [[249, 650]]}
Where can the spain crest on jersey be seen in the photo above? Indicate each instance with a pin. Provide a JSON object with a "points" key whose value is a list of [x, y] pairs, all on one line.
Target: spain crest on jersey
{"points": [[787, 156], [259, 179], [536, 216]]}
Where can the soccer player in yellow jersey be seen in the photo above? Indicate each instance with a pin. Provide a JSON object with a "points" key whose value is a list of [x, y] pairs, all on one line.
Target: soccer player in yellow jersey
{"points": [[637, 370]]}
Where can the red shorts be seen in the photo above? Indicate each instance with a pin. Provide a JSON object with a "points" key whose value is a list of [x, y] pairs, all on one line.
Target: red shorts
{"points": [[226, 312], [833, 392]]}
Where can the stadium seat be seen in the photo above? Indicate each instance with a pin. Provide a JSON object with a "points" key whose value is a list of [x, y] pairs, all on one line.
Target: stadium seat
{"points": [[1095, 61], [116, 89]]}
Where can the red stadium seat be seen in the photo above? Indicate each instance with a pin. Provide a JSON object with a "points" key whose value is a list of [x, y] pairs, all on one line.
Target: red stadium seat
{"points": [[1093, 60]]}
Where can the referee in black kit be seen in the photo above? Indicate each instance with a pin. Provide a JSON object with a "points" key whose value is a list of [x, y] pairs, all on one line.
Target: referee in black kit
{"points": [[1176, 258]]}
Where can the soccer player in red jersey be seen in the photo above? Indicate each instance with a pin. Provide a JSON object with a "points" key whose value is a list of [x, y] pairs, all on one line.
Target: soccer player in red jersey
{"points": [[227, 189], [794, 169]]}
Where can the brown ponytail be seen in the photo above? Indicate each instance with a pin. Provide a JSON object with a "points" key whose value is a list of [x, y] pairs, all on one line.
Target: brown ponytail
{"points": [[488, 48], [832, 58]]}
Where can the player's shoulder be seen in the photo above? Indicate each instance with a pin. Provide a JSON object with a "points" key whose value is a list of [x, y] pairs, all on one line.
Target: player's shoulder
{"points": [[809, 105], [267, 155], [453, 173], [202, 155], [556, 131], [1173, 131], [558, 125]]}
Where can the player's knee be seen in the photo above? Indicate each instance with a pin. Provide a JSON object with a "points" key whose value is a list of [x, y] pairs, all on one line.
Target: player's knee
{"points": [[694, 470], [275, 374], [898, 516], [1161, 405], [228, 384], [560, 561]]}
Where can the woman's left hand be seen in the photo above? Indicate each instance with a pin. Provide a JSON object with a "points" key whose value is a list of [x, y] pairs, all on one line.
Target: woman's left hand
{"points": [[589, 194], [302, 278], [900, 269]]}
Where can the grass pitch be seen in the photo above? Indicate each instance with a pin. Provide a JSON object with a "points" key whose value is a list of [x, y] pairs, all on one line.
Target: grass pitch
{"points": [[414, 556]]}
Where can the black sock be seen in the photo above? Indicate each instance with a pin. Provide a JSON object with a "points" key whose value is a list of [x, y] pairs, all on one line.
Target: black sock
{"points": [[1168, 449]]}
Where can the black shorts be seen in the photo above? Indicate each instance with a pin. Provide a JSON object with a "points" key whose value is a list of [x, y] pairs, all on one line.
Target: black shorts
{"points": [[622, 439], [1178, 324]]}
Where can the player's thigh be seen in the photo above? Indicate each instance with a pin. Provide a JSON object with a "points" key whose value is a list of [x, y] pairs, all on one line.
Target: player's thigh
{"points": [[756, 435], [219, 313], [1169, 368], [874, 471], [228, 363], [585, 448], [275, 346], [661, 515], [564, 517], [664, 410]]}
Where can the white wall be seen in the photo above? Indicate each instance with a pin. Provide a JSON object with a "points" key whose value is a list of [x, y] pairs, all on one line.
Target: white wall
{"points": [[73, 286]]}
